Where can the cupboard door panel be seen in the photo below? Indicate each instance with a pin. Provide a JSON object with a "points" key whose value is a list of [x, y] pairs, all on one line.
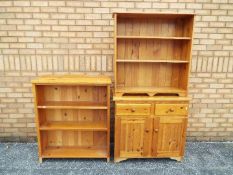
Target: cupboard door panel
{"points": [[134, 137], [169, 136]]}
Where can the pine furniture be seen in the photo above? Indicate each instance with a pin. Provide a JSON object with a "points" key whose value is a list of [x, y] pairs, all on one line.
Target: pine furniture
{"points": [[72, 116], [151, 62]]}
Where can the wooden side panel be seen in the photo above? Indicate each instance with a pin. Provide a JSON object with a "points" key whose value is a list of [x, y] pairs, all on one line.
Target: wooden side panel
{"points": [[115, 49], [108, 115], [41, 143], [170, 136], [134, 137]]}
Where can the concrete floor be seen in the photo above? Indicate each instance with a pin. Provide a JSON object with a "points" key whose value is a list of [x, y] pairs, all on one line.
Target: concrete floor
{"points": [[201, 158]]}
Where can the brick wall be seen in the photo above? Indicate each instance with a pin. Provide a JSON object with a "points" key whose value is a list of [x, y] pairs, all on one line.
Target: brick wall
{"points": [[60, 37]]}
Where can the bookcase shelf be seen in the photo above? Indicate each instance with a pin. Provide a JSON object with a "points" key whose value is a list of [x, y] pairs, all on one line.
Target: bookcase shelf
{"points": [[150, 61], [73, 116], [72, 105], [153, 37], [74, 152], [84, 126]]}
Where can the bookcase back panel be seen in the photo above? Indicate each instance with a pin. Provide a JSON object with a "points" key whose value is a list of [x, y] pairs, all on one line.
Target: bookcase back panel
{"points": [[151, 75], [71, 115], [71, 93], [153, 49], [74, 138], [152, 26]]}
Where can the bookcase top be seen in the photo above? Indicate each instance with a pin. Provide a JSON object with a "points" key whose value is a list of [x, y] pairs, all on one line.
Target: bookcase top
{"points": [[73, 79], [164, 14]]}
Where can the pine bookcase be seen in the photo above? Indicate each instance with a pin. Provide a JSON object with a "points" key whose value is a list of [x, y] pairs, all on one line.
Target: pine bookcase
{"points": [[152, 57], [72, 116]]}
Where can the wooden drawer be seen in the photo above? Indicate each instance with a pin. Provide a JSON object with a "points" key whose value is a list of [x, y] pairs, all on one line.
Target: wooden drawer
{"points": [[133, 109], [171, 109]]}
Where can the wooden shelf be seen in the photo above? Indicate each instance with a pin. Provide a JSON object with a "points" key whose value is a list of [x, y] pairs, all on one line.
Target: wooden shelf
{"points": [[154, 37], [85, 126], [149, 91], [151, 99], [151, 61], [74, 152], [71, 105]]}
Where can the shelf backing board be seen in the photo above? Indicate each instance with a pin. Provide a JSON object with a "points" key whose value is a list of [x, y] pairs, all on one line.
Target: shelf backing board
{"points": [[154, 26], [144, 49], [72, 116], [59, 93], [151, 74], [83, 139]]}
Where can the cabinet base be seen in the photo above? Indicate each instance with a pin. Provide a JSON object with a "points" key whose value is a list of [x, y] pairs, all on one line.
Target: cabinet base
{"points": [[40, 160], [117, 160], [108, 159], [179, 159]]}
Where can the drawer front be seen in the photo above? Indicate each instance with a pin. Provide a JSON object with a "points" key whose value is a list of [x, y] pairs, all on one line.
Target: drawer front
{"points": [[171, 109], [133, 109]]}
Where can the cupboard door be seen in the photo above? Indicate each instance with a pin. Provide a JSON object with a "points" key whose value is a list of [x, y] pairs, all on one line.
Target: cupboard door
{"points": [[169, 136], [133, 137]]}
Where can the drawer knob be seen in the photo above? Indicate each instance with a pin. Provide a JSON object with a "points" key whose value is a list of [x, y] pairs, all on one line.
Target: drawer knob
{"points": [[132, 110], [156, 130], [171, 110]]}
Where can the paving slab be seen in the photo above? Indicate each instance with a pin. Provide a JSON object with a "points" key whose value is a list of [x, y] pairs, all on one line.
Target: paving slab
{"points": [[201, 158]]}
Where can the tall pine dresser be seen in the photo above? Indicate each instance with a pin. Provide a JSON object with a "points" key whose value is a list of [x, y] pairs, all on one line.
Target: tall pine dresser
{"points": [[151, 64]]}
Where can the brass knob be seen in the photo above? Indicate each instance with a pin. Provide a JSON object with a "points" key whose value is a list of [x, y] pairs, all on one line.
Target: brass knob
{"points": [[171, 110], [156, 130], [132, 110]]}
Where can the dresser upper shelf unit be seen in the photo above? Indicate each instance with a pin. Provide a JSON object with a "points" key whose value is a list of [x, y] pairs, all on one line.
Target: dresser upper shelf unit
{"points": [[152, 50]]}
